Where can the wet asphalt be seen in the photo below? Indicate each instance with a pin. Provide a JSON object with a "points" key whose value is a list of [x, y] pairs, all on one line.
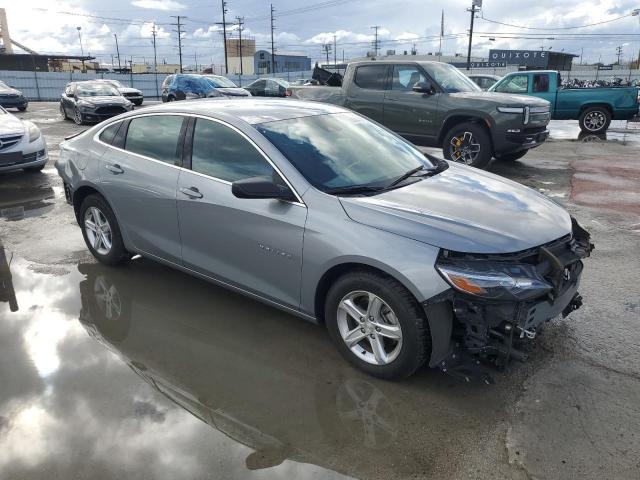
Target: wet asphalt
{"points": [[144, 372]]}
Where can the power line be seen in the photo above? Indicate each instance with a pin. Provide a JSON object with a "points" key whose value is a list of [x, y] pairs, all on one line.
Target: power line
{"points": [[555, 28], [305, 9]]}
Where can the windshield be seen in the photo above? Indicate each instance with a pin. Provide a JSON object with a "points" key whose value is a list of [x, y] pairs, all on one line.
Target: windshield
{"points": [[450, 78], [222, 82], [95, 90], [343, 150], [115, 83]]}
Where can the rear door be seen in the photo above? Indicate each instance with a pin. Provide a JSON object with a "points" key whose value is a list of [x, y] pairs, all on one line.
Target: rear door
{"points": [[254, 244], [139, 176], [407, 112], [367, 91]]}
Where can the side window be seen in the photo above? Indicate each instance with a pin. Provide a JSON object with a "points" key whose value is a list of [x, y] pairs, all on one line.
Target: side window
{"points": [[515, 84], [155, 136], [371, 76], [108, 134], [405, 77], [223, 153], [541, 83]]}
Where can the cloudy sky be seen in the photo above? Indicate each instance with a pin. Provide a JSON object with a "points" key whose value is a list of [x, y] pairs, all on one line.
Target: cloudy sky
{"points": [[303, 26]]}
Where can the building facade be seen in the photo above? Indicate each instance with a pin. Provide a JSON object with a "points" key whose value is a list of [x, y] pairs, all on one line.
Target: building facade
{"points": [[241, 54], [284, 62]]}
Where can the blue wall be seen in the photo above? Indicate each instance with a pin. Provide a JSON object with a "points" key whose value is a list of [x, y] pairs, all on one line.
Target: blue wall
{"points": [[284, 63]]}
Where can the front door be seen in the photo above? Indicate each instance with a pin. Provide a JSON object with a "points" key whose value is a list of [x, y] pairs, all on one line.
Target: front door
{"points": [[254, 244], [141, 182], [410, 113], [366, 92]]}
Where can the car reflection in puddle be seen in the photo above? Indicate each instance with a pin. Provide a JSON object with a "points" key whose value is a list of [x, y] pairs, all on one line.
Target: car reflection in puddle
{"points": [[25, 198], [7, 292], [268, 380]]}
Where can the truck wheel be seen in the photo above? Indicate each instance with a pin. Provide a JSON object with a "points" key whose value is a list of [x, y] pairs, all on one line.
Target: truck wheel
{"points": [[595, 120], [511, 157], [468, 143]]}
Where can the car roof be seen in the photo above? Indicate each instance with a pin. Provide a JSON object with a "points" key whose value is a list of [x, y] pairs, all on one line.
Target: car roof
{"points": [[252, 111]]}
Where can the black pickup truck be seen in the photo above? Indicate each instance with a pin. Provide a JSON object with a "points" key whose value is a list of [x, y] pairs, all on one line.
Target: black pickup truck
{"points": [[434, 104]]}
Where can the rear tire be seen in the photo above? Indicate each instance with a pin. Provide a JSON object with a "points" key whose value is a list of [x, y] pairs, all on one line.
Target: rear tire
{"points": [[397, 306], [105, 243], [468, 143], [511, 157], [595, 119]]}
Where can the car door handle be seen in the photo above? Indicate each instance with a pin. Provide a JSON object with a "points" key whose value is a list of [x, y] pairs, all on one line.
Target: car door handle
{"points": [[114, 168], [191, 192]]}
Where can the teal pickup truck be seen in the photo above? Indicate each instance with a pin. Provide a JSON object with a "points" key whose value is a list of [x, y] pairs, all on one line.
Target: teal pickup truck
{"points": [[593, 107]]}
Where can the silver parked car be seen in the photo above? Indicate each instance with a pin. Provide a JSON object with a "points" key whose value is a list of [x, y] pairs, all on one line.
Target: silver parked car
{"points": [[22, 145], [323, 213]]}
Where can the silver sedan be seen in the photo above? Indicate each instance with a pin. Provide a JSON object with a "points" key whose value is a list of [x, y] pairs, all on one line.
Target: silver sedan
{"points": [[323, 213]]}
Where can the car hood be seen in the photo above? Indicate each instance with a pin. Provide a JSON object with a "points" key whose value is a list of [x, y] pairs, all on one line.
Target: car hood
{"points": [[9, 91], [10, 125], [129, 90], [105, 100], [465, 210], [233, 91], [502, 98]]}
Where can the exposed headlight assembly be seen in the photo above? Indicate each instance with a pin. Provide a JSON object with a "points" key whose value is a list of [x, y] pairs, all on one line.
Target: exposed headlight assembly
{"points": [[510, 109], [34, 132], [494, 280]]}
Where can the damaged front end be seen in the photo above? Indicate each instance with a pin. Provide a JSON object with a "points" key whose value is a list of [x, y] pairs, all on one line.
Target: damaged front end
{"points": [[498, 301]]}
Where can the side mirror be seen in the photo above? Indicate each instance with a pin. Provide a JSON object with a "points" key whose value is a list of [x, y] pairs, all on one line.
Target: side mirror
{"points": [[424, 87], [260, 187]]}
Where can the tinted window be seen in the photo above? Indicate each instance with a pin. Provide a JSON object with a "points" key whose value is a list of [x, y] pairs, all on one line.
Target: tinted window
{"points": [[371, 76], [223, 153], [540, 83], [405, 77], [109, 133], [514, 84], [342, 150], [155, 136]]}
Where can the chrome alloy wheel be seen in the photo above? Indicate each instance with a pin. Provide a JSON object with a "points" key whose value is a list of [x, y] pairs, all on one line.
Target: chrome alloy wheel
{"points": [[98, 230], [464, 148], [369, 328], [594, 121], [77, 116], [107, 298]]}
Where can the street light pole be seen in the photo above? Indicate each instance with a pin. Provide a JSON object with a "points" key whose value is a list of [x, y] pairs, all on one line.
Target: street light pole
{"points": [[118, 52], [81, 49]]}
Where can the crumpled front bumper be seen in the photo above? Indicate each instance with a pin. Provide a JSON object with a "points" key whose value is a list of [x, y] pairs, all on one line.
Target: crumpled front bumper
{"points": [[493, 329]]}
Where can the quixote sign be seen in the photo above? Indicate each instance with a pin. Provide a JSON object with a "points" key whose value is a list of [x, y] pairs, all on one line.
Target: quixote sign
{"points": [[527, 58], [479, 64]]}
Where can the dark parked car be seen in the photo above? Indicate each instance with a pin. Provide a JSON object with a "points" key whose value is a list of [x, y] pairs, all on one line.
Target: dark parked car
{"points": [[92, 101], [189, 86], [12, 98], [132, 94], [484, 81], [269, 87]]}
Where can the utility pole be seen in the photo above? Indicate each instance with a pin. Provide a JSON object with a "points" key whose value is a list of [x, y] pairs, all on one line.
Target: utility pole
{"points": [[155, 59], [240, 24], [118, 52], [619, 52], [326, 47], [335, 52], [179, 25], [273, 48], [473, 10], [224, 36], [375, 41], [81, 49], [441, 35]]}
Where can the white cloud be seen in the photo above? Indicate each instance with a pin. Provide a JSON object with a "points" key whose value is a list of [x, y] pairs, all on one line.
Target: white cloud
{"points": [[165, 5], [406, 36]]}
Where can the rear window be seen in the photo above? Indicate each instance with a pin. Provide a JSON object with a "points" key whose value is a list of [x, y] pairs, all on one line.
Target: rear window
{"points": [[371, 77], [108, 134], [155, 136], [541, 83]]}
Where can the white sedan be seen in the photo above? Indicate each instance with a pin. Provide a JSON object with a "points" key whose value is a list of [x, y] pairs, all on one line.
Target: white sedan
{"points": [[22, 145]]}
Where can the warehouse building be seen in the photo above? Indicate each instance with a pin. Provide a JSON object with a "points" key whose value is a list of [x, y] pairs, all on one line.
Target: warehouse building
{"points": [[284, 62]]}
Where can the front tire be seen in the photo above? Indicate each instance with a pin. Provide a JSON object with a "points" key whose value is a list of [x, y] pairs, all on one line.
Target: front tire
{"points": [[101, 231], [63, 112], [511, 157], [377, 325], [468, 143], [22, 109], [77, 116], [137, 103], [595, 120]]}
